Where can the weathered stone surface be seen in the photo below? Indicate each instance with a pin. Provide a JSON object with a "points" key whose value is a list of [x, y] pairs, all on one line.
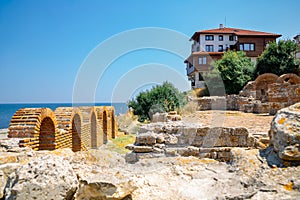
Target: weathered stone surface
{"points": [[50, 177], [148, 138], [3, 180], [159, 117], [101, 190], [267, 94], [142, 149], [103, 174], [285, 133], [131, 157]]}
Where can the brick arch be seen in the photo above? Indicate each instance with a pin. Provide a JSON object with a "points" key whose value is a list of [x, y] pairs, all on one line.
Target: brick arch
{"points": [[261, 85], [293, 79], [31, 123], [263, 80], [65, 122]]}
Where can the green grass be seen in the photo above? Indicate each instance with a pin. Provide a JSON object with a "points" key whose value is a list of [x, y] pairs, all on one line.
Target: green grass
{"points": [[118, 145]]}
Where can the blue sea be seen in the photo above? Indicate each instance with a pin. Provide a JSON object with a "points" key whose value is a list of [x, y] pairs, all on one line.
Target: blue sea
{"points": [[8, 110]]}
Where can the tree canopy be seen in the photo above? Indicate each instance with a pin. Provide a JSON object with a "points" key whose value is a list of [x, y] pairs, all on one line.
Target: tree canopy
{"points": [[161, 98], [235, 70], [279, 58]]}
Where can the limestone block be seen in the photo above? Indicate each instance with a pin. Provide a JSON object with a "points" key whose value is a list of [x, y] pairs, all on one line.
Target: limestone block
{"points": [[51, 177], [148, 138], [285, 133], [142, 149]]}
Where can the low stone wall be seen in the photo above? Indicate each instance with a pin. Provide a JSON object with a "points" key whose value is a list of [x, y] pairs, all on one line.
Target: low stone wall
{"points": [[172, 139], [267, 94]]}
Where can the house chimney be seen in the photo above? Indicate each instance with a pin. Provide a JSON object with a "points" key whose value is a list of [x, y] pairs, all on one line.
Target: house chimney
{"points": [[221, 26]]}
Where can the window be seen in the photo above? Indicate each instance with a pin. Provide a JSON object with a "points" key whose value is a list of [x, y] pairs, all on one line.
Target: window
{"points": [[202, 60], [220, 37], [209, 48], [220, 48], [209, 37], [231, 38], [247, 47]]}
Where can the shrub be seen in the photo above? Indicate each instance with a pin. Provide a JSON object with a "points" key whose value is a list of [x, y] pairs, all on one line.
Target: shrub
{"points": [[161, 98], [234, 68], [279, 58]]}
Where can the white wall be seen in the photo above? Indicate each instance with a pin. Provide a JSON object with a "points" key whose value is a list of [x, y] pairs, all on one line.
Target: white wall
{"points": [[215, 42]]}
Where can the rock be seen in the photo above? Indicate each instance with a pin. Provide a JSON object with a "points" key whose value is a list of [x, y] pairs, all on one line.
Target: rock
{"points": [[188, 151], [148, 138], [143, 149], [159, 117], [131, 158], [50, 177], [130, 147], [105, 183], [3, 180], [160, 139], [285, 133], [101, 190], [171, 139]]}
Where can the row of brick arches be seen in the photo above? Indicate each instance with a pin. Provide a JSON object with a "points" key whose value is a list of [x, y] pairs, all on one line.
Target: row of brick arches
{"points": [[78, 128]]}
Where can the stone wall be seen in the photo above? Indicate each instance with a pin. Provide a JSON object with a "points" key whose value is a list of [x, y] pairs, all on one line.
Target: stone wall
{"points": [[173, 139], [78, 128], [267, 94]]}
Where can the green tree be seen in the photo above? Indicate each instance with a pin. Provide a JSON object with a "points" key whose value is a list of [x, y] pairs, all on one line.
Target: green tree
{"points": [[161, 98], [235, 70], [278, 58]]}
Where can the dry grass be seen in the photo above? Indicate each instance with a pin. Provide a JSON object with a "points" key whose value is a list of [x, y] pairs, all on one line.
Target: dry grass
{"points": [[118, 145]]}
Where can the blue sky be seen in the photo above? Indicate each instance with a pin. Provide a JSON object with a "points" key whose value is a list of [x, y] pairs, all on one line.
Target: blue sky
{"points": [[44, 43]]}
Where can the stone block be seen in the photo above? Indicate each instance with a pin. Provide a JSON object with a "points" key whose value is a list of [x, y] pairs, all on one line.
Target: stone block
{"points": [[143, 149], [148, 138]]}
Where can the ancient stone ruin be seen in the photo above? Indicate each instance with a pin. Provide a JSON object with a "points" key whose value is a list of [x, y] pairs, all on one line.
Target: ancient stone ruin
{"points": [[78, 128], [267, 94], [179, 139]]}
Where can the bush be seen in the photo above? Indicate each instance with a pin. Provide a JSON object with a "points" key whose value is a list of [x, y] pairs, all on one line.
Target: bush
{"points": [[235, 69], [161, 98], [279, 58]]}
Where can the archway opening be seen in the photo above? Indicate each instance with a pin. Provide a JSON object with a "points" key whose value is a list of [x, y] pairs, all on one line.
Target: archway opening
{"points": [[104, 127], [47, 135], [93, 131], [76, 133]]}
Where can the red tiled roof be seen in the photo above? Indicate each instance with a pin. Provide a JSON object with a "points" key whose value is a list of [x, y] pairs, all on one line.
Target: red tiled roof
{"points": [[235, 31]]}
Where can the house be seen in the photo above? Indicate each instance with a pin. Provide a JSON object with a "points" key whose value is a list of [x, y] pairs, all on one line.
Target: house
{"points": [[297, 40], [209, 45]]}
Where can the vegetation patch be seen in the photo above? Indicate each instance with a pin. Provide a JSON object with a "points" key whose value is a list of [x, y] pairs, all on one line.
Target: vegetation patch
{"points": [[118, 145]]}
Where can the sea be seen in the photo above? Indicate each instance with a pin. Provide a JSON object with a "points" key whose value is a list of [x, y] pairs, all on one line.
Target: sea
{"points": [[8, 110]]}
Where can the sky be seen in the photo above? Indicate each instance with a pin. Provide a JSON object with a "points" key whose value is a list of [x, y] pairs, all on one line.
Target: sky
{"points": [[46, 45]]}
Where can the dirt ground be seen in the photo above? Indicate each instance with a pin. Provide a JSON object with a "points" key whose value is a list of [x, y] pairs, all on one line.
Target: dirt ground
{"points": [[255, 123]]}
